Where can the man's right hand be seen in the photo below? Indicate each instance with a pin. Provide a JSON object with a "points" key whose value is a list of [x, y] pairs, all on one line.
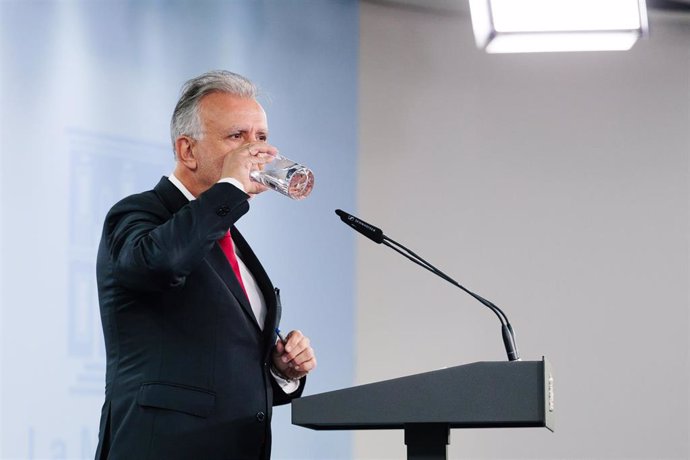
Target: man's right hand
{"points": [[239, 163]]}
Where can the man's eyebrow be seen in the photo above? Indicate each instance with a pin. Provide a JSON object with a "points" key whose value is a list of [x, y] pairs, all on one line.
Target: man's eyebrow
{"points": [[244, 128]]}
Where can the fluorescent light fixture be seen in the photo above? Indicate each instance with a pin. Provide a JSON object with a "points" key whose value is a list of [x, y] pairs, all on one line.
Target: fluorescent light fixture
{"points": [[529, 26]]}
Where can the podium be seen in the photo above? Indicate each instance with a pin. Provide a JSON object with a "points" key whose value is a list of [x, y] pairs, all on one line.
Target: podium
{"points": [[428, 405]]}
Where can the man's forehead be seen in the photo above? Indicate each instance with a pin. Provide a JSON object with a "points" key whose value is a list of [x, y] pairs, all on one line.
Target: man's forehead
{"points": [[248, 127], [228, 109]]}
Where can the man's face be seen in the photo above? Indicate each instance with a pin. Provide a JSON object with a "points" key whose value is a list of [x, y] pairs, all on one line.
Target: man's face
{"points": [[227, 122]]}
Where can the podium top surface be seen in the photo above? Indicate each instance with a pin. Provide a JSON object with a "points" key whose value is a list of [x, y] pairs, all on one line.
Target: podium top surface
{"points": [[476, 395]]}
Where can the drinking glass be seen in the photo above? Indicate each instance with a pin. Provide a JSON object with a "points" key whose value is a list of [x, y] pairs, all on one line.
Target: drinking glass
{"points": [[286, 176]]}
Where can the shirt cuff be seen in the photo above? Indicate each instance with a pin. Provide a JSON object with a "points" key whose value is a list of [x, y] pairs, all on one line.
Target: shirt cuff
{"points": [[233, 181], [288, 386]]}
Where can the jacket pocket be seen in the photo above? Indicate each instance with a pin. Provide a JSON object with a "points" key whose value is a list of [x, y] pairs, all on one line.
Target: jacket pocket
{"points": [[180, 398]]}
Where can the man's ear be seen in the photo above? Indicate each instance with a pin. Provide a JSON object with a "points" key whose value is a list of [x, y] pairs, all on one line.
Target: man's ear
{"points": [[185, 152]]}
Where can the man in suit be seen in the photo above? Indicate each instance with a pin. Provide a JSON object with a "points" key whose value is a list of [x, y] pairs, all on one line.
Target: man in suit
{"points": [[189, 315]]}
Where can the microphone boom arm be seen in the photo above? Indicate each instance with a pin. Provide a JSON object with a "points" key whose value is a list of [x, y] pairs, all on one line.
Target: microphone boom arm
{"points": [[376, 235], [423, 263]]}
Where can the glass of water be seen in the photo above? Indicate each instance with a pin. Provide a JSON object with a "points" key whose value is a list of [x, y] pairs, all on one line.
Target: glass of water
{"points": [[287, 177]]}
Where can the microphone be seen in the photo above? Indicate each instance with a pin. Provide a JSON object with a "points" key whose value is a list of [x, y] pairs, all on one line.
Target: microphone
{"points": [[376, 235], [373, 233]]}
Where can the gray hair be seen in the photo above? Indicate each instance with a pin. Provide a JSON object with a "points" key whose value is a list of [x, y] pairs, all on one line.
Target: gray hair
{"points": [[186, 119]]}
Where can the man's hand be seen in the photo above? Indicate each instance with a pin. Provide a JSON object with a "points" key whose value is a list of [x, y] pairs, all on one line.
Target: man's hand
{"points": [[296, 358], [240, 162]]}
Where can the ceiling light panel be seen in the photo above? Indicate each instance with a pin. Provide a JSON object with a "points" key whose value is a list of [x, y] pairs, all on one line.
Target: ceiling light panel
{"points": [[557, 25]]}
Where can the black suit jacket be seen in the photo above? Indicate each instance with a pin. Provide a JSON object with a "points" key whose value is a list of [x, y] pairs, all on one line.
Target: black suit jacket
{"points": [[187, 363]]}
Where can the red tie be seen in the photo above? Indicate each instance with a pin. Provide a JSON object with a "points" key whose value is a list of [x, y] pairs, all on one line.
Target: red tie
{"points": [[227, 247]]}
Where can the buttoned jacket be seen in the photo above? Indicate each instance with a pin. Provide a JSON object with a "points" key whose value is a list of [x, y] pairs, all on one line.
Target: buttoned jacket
{"points": [[187, 372]]}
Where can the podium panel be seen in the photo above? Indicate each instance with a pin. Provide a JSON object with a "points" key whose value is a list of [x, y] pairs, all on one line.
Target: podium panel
{"points": [[477, 395]]}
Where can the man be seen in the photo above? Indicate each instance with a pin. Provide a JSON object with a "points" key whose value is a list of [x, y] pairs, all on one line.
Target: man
{"points": [[189, 315]]}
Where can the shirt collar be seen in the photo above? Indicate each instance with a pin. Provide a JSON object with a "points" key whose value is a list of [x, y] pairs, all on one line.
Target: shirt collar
{"points": [[180, 186]]}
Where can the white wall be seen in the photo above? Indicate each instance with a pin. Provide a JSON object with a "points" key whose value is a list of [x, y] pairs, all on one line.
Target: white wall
{"points": [[555, 185]]}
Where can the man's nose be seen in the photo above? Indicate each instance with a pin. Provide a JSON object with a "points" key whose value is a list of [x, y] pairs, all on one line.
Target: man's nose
{"points": [[252, 137]]}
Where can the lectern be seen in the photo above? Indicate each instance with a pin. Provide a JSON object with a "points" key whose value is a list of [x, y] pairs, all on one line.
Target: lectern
{"points": [[478, 395]]}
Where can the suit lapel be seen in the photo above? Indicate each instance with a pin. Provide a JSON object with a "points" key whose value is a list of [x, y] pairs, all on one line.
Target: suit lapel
{"points": [[217, 260], [174, 200], [264, 283], [254, 266]]}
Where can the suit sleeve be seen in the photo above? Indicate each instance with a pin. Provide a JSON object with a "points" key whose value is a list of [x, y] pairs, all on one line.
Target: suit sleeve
{"points": [[280, 397], [150, 250]]}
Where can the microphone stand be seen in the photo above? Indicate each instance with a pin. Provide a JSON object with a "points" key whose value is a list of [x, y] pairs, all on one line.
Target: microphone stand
{"points": [[506, 328], [376, 235]]}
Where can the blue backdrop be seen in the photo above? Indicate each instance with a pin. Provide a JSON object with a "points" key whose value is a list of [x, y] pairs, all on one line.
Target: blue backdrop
{"points": [[87, 90]]}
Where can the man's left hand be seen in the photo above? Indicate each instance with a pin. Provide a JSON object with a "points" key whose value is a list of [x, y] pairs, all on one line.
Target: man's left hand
{"points": [[296, 357]]}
